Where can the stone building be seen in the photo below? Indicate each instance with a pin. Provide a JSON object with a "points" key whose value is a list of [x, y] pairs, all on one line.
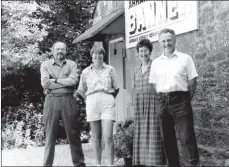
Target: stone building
{"points": [[208, 45]]}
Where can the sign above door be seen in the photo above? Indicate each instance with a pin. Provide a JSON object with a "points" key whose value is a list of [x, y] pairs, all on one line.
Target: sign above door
{"points": [[144, 19]]}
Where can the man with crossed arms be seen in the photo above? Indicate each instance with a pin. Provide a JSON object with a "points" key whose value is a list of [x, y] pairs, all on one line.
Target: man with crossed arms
{"points": [[58, 78]]}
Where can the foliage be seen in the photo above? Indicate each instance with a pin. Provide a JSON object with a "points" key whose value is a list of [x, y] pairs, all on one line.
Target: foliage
{"points": [[10, 96], [85, 137], [84, 125], [29, 28], [20, 35], [18, 88], [68, 20], [123, 139], [23, 126]]}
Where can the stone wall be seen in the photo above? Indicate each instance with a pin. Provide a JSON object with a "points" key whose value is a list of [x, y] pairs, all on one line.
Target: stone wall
{"points": [[211, 102], [209, 48]]}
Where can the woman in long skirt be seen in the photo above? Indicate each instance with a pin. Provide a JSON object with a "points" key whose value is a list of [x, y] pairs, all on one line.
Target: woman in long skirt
{"points": [[147, 146]]}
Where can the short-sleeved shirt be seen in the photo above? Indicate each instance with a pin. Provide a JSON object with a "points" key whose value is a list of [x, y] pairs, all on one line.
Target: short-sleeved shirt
{"points": [[50, 70], [92, 81], [172, 73]]}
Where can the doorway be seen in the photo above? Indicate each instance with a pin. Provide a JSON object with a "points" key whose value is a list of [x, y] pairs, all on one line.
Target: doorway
{"points": [[117, 60]]}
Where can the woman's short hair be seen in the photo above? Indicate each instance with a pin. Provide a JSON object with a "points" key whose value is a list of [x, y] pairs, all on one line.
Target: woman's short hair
{"points": [[146, 43], [97, 49]]}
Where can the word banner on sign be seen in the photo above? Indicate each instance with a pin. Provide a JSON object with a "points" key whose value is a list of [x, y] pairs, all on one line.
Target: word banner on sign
{"points": [[144, 19]]}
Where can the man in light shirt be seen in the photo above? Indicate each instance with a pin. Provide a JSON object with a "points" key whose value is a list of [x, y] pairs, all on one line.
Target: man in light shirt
{"points": [[174, 77], [59, 77]]}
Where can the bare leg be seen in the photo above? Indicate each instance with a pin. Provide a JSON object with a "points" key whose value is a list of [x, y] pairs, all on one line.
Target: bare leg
{"points": [[107, 126], [96, 140]]}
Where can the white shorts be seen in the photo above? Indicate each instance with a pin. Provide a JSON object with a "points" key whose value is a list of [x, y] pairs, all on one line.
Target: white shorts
{"points": [[100, 106]]}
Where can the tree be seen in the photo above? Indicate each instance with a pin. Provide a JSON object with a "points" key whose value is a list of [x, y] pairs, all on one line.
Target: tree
{"points": [[29, 28], [21, 35], [68, 20]]}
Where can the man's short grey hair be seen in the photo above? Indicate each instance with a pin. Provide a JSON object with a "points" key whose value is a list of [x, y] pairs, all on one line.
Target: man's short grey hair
{"points": [[54, 44], [167, 30]]}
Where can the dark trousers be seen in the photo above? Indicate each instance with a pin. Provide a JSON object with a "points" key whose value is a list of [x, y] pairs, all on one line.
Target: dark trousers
{"points": [[64, 107], [176, 115]]}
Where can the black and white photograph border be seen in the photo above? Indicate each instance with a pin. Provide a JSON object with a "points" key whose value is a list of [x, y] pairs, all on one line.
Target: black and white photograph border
{"points": [[48, 52]]}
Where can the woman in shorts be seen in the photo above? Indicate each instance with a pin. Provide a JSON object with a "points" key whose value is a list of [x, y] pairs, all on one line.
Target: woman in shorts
{"points": [[98, 85]]}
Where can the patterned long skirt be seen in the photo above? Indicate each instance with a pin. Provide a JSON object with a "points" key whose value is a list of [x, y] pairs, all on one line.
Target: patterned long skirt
{"points": [[148, 146]]}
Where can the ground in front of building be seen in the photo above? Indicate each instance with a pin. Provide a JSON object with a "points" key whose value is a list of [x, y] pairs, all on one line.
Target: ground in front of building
{"points": [[33, 156]]}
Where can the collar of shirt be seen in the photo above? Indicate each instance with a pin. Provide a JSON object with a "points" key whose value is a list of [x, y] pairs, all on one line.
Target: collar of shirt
{"points": [[175, 53], [54, 63], [149, 66], [104, 66]]}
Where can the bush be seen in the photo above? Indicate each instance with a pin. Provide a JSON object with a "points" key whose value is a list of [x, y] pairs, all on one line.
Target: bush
{"points": [[24, 47], [10, 96], [23, 126], [85, 137], [25, 85], [84, 125], [123, 139]]}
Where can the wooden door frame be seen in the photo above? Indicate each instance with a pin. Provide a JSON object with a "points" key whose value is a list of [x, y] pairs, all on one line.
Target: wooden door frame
{"points": [[114, 41]]}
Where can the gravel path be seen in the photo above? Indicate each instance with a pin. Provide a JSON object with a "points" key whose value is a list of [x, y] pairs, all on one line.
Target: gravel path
{"points": [[33, 156]]}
